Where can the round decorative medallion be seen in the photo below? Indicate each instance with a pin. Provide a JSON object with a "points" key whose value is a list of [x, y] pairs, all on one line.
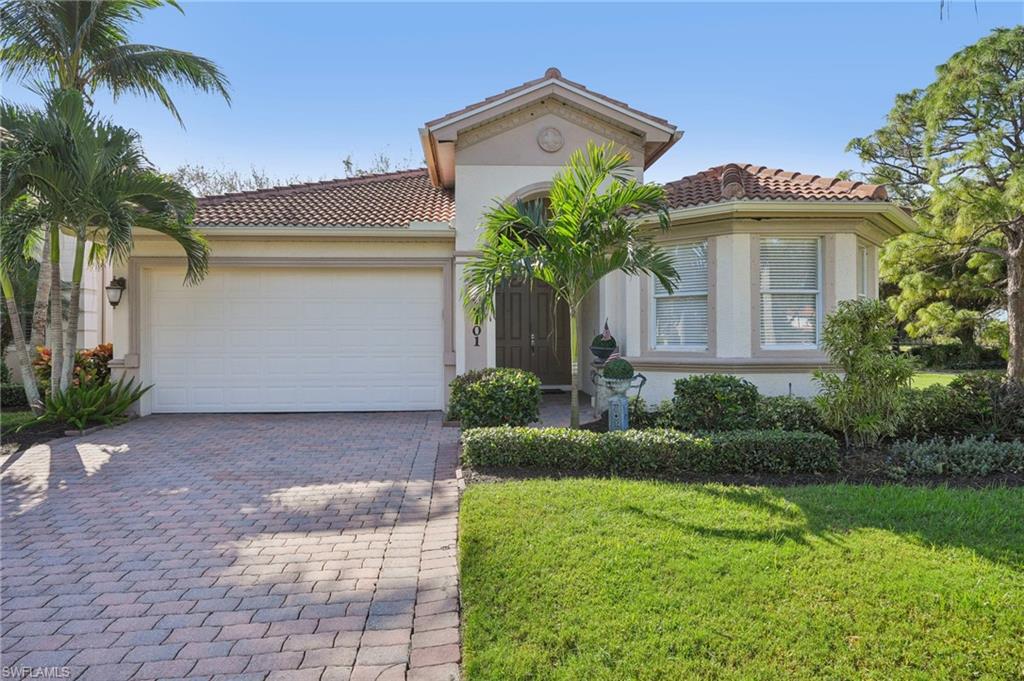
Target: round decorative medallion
{"points": [[550, 140]]}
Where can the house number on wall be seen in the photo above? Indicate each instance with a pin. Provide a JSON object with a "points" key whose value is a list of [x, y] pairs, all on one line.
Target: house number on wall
{"points": [[476, 336]]}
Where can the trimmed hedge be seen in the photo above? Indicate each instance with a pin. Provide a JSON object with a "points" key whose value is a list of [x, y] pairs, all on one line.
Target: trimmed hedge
{"points": [[969, 456], [788, 413], [650, 452], [12, 397], [714, 402], [495, 397]]}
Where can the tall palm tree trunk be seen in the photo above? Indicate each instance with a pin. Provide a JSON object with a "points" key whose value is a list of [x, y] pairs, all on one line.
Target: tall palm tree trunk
{"points": [[71, 334], [56, 333], [574, 363], [42, 304], [28, 379]]}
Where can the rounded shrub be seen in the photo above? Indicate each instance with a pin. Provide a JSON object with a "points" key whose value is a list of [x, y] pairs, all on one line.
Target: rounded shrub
{"points": [[618, 369], [458, 387], [496, 397], [601, 342], [714, 402]]}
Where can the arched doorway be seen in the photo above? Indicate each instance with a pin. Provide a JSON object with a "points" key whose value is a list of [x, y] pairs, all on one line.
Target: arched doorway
{"points": [[532, 326]]}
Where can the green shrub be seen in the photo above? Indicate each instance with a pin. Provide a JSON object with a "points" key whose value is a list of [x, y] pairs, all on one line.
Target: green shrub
{"points": [[642, 416], [788, 413], [714, 402], [863, 401], [12, 397], [969, 456], [650, 452], [496, 397], [774, 451], [941, 410], [5, 372], [995, 400], [618, 369], [82, 405], [601, 342], [458, 389], [1009, 410]]}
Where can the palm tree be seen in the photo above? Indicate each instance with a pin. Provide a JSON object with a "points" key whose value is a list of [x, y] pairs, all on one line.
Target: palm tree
{"points": [[84, 46], [583, 234], [16, 210], [88, 178]]}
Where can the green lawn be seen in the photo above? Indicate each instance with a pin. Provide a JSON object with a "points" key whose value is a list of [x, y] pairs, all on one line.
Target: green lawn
{"points": [[9, 420], [612, 580], [923, 379]]}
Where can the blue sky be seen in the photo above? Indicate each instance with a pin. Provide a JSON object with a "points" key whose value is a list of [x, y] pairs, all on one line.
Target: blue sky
{"points": [[784, 85]]}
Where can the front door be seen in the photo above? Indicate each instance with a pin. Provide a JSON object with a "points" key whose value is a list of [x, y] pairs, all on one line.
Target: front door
{"points": [[532, 332]]}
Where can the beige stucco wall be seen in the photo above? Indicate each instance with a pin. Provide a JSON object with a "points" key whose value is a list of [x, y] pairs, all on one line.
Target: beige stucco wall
{"points": [[502, 160], [734, 294], [91, 317], [281, 247]]}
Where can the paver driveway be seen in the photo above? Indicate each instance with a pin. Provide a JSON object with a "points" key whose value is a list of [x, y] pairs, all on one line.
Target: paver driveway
{"points": [[293, 546]]}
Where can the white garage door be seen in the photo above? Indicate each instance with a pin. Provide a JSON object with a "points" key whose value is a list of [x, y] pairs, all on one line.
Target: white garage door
{"points": [[252, 340]]}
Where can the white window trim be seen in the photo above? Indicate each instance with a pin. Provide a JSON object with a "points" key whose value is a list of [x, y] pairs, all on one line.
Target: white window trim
{"points": [[818, 307], [652, 329]]}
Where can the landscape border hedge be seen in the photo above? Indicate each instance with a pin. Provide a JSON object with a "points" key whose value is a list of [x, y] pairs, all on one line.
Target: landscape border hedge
{"points": [[651, 452]]}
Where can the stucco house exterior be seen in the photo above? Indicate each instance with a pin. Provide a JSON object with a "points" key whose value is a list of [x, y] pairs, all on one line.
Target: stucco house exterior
{"points": [[345, 294]]}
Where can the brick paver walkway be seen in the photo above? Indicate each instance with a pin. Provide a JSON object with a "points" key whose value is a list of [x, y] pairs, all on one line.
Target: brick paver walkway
{"points": [[293, 546]]}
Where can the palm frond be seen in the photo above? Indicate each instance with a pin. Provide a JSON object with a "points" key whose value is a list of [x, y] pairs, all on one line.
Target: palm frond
{"points": [[144, 70], [84, 45]]}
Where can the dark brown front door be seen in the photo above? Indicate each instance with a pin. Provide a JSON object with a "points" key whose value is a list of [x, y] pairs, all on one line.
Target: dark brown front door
{"points": [[532, 331]]}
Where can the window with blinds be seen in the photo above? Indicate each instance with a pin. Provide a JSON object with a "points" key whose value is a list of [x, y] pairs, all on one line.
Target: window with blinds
{"points": [[790, 292], [863, 272], [681, 317]]}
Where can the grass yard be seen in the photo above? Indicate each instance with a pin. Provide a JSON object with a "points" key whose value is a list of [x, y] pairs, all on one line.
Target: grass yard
{"points": [[613, 579], [9, 420], [923, 379]]}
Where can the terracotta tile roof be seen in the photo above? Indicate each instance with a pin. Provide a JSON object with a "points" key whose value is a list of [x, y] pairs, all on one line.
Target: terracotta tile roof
{"points": [[551, 74], [385, 200], [734, 181]]}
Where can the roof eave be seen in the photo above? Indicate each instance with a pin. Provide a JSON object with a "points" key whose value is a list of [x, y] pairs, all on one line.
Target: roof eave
{"points": [[651, 158], [327, 231], [898, 221]]}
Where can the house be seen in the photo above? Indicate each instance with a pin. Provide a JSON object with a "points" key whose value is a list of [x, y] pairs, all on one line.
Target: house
{"points": [[345, 294]]}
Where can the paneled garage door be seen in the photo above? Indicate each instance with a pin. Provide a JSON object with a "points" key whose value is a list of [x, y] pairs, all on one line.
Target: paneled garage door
{"points": [[255, 340]]}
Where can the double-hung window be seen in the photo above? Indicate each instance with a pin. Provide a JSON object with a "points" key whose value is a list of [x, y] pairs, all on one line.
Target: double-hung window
{"points": [[790, 292], [681, 317]]}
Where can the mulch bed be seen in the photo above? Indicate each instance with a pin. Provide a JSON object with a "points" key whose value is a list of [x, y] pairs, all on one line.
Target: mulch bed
{"points": [[33, 435]]}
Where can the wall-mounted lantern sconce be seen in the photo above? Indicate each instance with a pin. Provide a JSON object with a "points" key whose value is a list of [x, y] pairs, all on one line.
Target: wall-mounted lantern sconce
{"points": [[114, 290]]}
